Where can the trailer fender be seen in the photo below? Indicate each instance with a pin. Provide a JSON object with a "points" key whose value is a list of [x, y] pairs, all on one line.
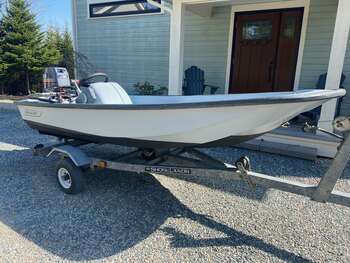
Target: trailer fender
{"points": [[78, 157]]}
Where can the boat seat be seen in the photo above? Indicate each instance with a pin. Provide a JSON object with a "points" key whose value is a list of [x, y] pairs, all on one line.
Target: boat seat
{"points": [[104, 93]]}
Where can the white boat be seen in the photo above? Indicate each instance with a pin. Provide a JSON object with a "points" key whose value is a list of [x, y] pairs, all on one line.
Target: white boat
{"points": [[105, 113]]}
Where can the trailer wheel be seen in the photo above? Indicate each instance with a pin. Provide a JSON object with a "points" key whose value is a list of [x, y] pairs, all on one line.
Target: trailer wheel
{"points": [[69, 177]]}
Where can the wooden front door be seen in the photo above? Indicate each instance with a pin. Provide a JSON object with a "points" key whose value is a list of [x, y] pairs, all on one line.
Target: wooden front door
{"points": [[265, 51]]}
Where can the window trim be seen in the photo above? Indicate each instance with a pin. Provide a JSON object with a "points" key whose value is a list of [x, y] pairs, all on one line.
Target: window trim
{"points": [[91, 5]]}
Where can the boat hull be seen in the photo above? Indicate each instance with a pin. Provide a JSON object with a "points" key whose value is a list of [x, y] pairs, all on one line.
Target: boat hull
{"points": [[219, 123], [138, 143]]}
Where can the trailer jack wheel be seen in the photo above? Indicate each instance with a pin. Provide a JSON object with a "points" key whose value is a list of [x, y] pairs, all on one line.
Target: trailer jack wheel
{"points": [[69, 177]]}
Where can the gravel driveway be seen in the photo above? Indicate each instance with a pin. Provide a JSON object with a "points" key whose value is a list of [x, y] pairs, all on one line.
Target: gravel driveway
{"points": [[142, 218]]}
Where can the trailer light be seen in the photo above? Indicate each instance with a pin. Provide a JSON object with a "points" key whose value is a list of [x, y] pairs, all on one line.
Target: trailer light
{"points": [[102, 164]]}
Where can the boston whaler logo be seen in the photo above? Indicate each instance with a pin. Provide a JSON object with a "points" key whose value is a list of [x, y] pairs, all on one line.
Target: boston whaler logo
{"points": [[168, 170], [32, 113]]}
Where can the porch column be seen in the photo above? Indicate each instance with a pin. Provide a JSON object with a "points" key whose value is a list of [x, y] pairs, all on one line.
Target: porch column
{"points": [[336, 61], [176, 48]]}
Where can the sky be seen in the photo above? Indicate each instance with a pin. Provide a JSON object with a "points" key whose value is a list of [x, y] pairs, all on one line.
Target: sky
{"points": [[53, 13]]}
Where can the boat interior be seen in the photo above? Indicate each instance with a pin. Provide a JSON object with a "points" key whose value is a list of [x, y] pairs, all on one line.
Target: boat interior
{"points": [[113, 93]]}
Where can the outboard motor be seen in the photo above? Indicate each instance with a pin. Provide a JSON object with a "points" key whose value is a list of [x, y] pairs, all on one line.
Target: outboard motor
{"points": [[56, 78], [58, 84]]}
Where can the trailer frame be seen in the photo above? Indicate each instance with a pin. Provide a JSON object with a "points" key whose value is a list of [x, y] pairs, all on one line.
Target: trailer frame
{"points": [[191, 161]]}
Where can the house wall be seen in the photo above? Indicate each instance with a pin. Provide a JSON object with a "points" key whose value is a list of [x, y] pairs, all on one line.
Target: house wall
{"points": [[206, 44], [345, 108], [133, 49], [318, 44], [318, 41], [136, 48], [129, 49]]}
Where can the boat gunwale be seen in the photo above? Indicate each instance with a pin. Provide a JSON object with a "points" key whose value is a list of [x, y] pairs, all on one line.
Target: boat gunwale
{"points": [[186, 105]]}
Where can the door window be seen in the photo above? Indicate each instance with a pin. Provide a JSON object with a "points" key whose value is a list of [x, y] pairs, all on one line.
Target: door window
{"points": [[289, 27], [257, 30]]}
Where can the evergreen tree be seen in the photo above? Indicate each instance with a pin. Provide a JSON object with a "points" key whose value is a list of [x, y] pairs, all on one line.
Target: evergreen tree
{"points": [[23, 51], [67, 52], [52, 55], [2, 64], [60, 48]]}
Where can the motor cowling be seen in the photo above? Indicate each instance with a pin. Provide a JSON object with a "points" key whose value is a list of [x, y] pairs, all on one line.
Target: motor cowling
{"points": [[104, 93]]}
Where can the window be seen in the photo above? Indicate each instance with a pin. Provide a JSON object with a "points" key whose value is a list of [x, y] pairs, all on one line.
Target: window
{"points": [[257, 30], [122, 8], [289, 27]]}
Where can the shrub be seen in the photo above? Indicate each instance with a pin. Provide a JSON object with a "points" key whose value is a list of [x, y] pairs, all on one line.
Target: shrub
{"points": [[147, 88]]}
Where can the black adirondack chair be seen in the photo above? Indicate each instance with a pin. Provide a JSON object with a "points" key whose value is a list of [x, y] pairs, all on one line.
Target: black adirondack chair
{"points": [[194, 82], [321, 84]]}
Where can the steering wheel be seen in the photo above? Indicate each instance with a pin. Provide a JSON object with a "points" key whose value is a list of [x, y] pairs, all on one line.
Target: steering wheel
{"points": [[85, 82]]}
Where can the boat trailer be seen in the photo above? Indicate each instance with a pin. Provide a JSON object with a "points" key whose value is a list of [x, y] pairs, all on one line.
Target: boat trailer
{"points": [[192, 162]]}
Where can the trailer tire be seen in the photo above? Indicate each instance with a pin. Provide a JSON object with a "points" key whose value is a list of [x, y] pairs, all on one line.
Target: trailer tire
{"points": [[69, 177]]}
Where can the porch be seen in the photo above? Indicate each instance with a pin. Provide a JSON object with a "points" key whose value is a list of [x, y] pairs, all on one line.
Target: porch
{"points": [[203, 33]]}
